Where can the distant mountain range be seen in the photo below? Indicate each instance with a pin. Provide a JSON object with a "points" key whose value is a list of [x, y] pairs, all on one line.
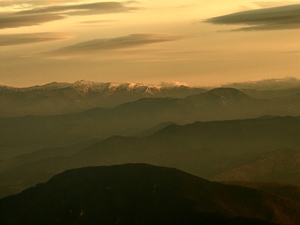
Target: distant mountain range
{"points": [[210, 134], [25, 134], [144, 194], [61, 98]]}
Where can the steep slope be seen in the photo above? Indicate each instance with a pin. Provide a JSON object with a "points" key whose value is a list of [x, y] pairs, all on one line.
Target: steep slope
{"points": [[61, 98], [280, 165], [143, 194], [288, 191]]}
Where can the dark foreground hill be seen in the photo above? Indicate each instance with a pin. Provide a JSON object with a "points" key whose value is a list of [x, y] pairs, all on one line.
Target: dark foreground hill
{"points": [[143, 194]]}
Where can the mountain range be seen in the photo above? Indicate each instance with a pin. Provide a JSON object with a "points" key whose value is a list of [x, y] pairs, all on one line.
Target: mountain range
{"points": [[264, 149], [61, 98], [222, 134], [144, 194], [28, 133]]}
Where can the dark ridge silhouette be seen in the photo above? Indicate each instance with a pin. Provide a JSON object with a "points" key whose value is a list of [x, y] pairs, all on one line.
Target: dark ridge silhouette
{"points": [[153, 130], [143, 194], [267, 147], [288, 191]]}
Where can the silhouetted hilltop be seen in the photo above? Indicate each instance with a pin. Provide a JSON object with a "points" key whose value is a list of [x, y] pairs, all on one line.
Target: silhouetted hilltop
{"points": [[221, 96], [143, 194]]}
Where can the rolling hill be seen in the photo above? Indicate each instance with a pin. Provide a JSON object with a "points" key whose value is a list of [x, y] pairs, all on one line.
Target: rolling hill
{"points": [[265, 146], [26, 134], [143, 194]]}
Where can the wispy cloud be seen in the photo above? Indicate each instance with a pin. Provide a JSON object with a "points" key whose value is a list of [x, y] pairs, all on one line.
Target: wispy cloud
{"points": [[276, 18], [268, 84], [82, 9], [274, 4], [22, 39], [97, 21], [39, 15], [22, 3], [125, 42], [14, 21]]}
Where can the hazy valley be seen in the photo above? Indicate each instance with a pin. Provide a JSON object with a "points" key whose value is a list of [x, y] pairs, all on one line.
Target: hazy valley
{"points": [[223, 134]]}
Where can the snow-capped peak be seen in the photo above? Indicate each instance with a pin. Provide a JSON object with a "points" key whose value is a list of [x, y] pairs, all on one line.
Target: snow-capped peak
{"points": [[85, 86]]}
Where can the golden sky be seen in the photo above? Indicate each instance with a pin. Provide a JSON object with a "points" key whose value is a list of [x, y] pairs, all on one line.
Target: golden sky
{"points": [[201, 43]]}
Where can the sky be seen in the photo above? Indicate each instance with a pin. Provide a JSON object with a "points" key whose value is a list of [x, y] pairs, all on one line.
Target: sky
{"points": [[198, 43]]}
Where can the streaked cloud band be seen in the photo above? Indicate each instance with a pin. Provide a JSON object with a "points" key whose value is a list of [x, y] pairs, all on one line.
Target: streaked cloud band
{"points": [[276, 18]]}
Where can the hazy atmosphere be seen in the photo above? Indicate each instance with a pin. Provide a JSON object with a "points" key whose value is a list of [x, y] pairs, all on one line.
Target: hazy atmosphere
{"points": [[200, 43], [149, 112]]}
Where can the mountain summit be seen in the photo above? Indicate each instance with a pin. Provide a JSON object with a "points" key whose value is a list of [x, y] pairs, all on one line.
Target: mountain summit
{"points": [[221, 96]]}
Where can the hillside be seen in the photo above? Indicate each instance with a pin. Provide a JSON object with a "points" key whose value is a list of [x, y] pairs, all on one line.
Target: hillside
{"points": [[266, 146], [280, 165], [143, 194], [26, 134]]}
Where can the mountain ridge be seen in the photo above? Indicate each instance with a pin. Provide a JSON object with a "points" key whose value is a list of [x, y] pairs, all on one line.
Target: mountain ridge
{"points": [[143, 194], [61, 98]]}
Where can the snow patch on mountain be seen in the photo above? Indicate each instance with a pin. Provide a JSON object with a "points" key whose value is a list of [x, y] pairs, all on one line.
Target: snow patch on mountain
{"points": [[85, 87]]}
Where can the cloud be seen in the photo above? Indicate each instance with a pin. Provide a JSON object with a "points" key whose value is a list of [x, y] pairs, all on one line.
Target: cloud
{"points": [[30, 20], [82, 9], [268, 84], [22, 39], [21, 3], [173, 84], [126, 42], [276, 18], [97, 21], [39, 15], [273, 4]]}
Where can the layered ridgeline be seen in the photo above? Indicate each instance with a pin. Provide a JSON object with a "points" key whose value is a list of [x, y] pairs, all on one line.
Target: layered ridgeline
{"points": [[61, 98], [265, 149], [144, 194], [28, 133]]}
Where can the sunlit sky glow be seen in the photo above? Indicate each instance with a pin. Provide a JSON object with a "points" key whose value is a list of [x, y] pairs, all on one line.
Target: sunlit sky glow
{"points": [[201, 43]]}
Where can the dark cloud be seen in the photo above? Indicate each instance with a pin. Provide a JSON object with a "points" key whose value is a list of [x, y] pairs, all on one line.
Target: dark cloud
{"points": [[41, 15], [22, 3], [21, 39], [27, 20], [82, 9], [276, 18], [98, 45]]}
